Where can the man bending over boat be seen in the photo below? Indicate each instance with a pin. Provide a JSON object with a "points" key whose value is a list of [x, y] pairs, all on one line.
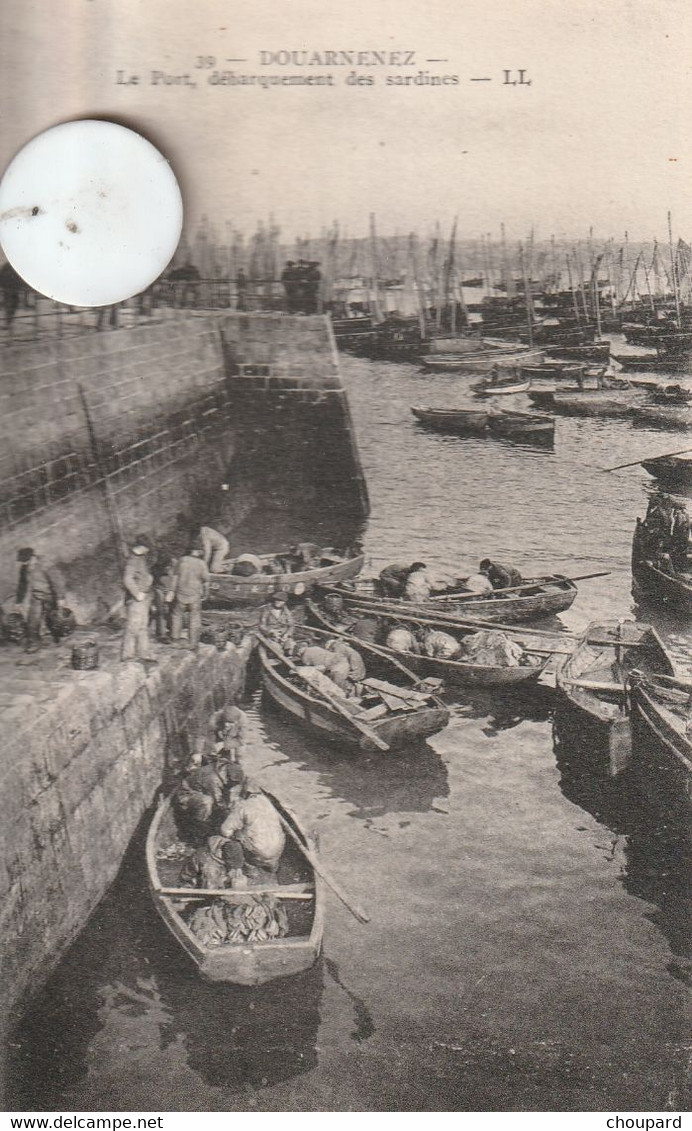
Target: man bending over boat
{"points": [[500, 576], [254, 837]]}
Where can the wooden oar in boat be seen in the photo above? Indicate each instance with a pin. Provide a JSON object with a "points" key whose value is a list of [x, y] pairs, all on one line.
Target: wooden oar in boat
{"points": [[512, 588], [634, 462], [461, 622], [321, 871], [334, 703], [287, 891]]}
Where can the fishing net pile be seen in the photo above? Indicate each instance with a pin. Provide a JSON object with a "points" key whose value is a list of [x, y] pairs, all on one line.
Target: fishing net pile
{"points": [[493, 649], [254, 920]]}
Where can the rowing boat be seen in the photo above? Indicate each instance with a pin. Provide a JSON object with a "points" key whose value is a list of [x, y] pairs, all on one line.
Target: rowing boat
{"points": [[258, 588], [650, 363], [457, 672], [539, 597], [673, 471], [596, 402], [391, 704], [662, 745], [493, 422], [479, 361], [490, 387], [296, 888], [677, 415], [653, 582], [599, 351], [593, 682]]}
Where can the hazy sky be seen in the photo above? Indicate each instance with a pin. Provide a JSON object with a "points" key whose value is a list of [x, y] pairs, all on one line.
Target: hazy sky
{"points": [[602, 137]]}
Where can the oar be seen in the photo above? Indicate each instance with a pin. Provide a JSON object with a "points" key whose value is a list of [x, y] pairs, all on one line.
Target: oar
{"points": [[322, 871], [634, 462], [361, 726], [457, 622], [516, 588]]}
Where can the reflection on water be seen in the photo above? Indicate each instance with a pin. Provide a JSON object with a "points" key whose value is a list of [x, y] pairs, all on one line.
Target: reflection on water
{"points": [[529, 918]]}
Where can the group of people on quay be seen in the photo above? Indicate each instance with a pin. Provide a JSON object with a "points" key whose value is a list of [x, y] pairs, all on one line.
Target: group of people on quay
{"points": [[301, 282]]}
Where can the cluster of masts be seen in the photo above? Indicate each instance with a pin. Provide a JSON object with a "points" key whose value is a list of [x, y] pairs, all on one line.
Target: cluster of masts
{"points": [[412, 274]]}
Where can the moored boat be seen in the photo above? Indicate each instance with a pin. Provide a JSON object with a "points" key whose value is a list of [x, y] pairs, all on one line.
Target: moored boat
{"points": [[672, 471], [500, 386], [520, 426], [454, 672], [258, 587], [296, 891], [593, 682], [391, 708], [462, 421], [599, 351], [537, 597], [662, 744], [658, 585], [672, 415], [596, 402], [649, 363]]}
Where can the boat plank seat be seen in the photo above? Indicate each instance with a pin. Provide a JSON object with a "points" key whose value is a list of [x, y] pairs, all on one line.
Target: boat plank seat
{"points": [[239, 895]]}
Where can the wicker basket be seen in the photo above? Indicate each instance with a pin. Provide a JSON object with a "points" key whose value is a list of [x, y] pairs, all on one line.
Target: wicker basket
{"points": [[85, 656]]}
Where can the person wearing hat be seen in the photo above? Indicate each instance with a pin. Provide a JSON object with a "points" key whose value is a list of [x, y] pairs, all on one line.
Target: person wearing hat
{"points": [[138, 583], [40, 589], [190, 587], [500, 576], [276, 619]]}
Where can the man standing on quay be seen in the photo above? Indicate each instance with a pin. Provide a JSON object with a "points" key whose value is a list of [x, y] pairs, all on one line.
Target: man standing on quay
{"points": [[138, 582], [190, 588]]}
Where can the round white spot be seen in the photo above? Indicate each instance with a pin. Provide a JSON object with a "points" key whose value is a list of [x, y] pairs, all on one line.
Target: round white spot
{"points": [[90, 213]]}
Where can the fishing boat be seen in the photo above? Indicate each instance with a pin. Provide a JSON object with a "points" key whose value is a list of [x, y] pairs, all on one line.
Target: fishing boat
{"points": [[593, 682], [520, 426], [657, 584], [599, 351], [552, 371], [662, 744], [543, 396], [596, 402], [457, 672], [536, 597], [500, 386], [673, 471], [479, 361], [297, 890], [258, 587], [674, 414], [650, 363], [391, 710]]}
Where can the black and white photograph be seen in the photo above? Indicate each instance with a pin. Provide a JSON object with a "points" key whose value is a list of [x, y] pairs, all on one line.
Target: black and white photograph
{"points": [[346, 559]]}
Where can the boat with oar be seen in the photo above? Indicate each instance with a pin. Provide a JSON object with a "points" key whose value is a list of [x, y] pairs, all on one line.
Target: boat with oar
{"points": [[662, 744], [672, 471], [274, 574], [391, 709], [593, 682], [204, 921], [462, 670], [535, 598], [599, 351], [655, 579], [507, 425]]}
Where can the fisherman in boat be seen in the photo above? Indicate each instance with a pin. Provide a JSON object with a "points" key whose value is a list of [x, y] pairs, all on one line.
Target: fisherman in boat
{"points": [[276, 619], [246, 565], [402, 640], [679, 544], [349, 670], [393, 578], [478, 583], [418, 586], [441, 645], [254, 835], [214, 548], [205, 793], [500, 576]]}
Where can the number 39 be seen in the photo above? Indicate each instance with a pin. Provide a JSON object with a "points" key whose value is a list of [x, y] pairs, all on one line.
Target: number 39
{"points": [[205, 61]]}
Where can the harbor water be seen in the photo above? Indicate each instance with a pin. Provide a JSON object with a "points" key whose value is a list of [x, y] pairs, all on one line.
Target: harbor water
{"points": [[528, 947]]}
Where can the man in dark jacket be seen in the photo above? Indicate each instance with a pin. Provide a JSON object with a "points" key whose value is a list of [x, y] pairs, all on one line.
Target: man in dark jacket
{"points": [[500, 576], [40, 590]]}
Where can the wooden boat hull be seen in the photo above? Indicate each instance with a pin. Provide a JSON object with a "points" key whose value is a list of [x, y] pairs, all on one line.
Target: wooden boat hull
{"points": [[245, 964], [638, 363], [505, 425], [256, 590], [598, 352], [453, 672], [595, 403], [462, 422], [481, 361], [596, 697], [673, 471], [555, 596], [489, 390], [661, 756], [658, 587], [666, 416], [316, 716]]}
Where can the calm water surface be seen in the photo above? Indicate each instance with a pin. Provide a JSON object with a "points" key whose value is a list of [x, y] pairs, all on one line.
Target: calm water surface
{"points": [[528, 948]]}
